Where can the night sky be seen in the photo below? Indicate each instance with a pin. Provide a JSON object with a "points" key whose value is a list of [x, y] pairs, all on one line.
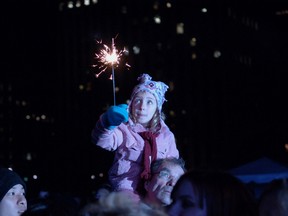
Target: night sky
{"points": [[227, 72]]}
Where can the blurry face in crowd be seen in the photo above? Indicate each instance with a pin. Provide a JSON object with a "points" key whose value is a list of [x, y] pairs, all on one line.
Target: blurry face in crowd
{"points": [[186, 202], [14, 202], [160, 186], [144, 106]]}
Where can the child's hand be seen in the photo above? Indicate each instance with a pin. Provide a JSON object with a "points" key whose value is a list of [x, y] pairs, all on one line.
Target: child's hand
{"points": [[114, 116]]}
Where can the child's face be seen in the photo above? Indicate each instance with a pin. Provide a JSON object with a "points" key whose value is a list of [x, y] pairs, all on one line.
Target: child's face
{"points": [[144, 106]]}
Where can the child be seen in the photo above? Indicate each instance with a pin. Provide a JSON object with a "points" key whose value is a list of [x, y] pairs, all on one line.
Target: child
{"points": [[138, 135]]}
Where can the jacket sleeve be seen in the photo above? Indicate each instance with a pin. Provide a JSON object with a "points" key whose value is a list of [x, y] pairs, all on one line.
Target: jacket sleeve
{"points": [[104, 138]]}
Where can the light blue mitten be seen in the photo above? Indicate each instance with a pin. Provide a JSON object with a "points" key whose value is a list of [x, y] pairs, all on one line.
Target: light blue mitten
{"points": [[114, 116]]}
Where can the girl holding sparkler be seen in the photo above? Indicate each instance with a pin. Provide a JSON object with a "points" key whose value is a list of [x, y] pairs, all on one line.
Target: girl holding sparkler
{"points": [[138, 135]]}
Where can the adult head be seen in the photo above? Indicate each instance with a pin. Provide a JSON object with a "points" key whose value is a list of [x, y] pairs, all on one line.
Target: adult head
{"points": [[102, 191], [12, 193], [119, 204], [146, 102], [211, 193], [164, 175]]}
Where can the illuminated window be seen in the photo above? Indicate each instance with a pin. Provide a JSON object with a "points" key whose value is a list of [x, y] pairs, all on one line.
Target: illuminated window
{"points": [[180, 28]]}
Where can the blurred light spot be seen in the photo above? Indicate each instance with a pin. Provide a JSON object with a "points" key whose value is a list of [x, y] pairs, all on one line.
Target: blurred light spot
{"points": [[217, 54], [171, 86], [136, 50], [157, 19], [194, 56], [124, 10], [172, 113], [70, 4], [286, 147], [204, 10], [180, 28], [78, 4], [193, 42], [156, 5], [29, 156], [81, 87]]}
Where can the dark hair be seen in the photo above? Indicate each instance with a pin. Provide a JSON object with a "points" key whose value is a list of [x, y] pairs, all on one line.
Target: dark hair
{"points": [[224, 194], [274, 199]]}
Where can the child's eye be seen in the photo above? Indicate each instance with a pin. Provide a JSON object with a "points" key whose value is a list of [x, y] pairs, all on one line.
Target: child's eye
{"points": [[136, 101], [150, 102]]}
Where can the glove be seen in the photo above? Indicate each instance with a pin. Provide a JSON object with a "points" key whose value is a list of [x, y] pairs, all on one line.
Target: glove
{"points": [[114, 116]]}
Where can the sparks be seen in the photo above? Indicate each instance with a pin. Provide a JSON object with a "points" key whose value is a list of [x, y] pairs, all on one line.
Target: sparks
{"points": [[108, 57]]}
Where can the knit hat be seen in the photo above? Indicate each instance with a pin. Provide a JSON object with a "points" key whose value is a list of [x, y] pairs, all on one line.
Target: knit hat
{"points": [[8, 179], [156, 88]]}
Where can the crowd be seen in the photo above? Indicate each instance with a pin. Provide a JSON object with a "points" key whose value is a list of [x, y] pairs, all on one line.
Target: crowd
{"points": [[171, 191], [148, 176]]}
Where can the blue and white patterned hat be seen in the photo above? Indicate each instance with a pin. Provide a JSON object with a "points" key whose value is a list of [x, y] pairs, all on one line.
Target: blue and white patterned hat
{"points": [[156, 88]]}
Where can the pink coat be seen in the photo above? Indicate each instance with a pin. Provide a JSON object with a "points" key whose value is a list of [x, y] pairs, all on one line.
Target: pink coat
{"points": [[128, 146]]}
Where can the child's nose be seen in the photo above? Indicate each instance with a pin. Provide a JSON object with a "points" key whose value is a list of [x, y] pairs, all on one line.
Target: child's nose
{"points": [[142, 106]]}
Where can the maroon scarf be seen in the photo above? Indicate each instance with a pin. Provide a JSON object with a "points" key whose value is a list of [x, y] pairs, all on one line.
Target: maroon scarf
{"points": [[150, 150]]}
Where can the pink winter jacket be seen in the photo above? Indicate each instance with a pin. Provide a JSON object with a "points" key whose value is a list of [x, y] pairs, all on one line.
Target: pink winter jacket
{"points": [[128, 146]]}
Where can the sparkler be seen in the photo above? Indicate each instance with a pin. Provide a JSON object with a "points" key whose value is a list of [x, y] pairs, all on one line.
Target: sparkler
{"points": [[109, 57]]}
